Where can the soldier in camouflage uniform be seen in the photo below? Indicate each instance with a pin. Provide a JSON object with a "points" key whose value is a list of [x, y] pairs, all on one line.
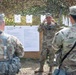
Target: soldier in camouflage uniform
{"points": [[13, 46], [48, 28], [67, 37]]}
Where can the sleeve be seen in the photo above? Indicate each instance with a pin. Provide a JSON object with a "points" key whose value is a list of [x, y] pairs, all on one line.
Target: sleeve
{"points": [[57, 41], [19, 49], [41, 27]]}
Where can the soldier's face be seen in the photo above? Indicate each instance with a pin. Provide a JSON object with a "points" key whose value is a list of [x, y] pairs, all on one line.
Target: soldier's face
{"points": [[48, 19]]}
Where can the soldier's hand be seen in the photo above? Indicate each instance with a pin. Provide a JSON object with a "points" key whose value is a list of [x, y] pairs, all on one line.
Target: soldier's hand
{"points": [[52, 19], [44, 21]]}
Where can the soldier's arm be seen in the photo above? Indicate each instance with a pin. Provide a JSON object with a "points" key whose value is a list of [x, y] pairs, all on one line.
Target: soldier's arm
{"points": [[53, 21], [19, 49], [41, 27], [57, 41]]}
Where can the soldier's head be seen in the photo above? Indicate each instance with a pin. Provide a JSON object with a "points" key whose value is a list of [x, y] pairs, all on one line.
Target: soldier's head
{"points": [[72, 14], [2, 22], [48, 18]]}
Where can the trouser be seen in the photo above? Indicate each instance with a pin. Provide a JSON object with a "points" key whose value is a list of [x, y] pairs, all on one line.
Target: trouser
{"points": [[46, 54]]}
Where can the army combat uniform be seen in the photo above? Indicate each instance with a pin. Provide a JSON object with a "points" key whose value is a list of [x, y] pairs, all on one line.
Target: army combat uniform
{"points": [[10, 51], [18, 48], [67, 38], [48, 33]]}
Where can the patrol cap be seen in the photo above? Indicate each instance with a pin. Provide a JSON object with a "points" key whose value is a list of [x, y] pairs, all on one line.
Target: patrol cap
{"points": [[72, 10], [48, 15]]}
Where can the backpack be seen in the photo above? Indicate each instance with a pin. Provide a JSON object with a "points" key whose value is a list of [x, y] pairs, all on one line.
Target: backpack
{"points": [[9, 63]]}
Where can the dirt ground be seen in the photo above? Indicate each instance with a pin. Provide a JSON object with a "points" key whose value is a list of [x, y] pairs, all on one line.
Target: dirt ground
{"points": [[30, 65]]}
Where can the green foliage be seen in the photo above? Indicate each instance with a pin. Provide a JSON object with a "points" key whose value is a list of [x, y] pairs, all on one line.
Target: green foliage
{"points": [[34, 7], [10, 21]]}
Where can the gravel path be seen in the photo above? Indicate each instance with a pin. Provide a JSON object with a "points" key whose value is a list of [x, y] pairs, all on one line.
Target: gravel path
{"points": [[30, 65]]}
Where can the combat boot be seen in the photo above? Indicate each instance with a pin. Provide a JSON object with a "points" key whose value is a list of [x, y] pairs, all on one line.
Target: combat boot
{"points": [[50, 71], [40, 69]]}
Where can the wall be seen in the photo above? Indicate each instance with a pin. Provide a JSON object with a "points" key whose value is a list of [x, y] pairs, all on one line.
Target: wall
{"points": [[34, 55]]}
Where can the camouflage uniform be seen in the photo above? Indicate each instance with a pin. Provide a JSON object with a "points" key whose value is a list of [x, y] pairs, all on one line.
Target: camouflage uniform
{"points": [[13, 45], [48, 33], [10, 49], [67, 38], [18, 47]]}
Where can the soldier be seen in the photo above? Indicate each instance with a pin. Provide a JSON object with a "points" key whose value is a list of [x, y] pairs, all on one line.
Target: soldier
{"points": [[66, 38], [10, 49], [48, 27]]}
